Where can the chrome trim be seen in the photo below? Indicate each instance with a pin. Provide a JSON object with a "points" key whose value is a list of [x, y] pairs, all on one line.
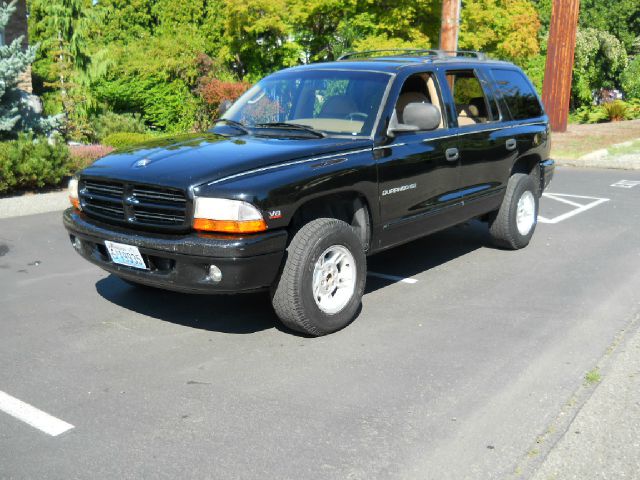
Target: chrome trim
{"points": [[382, 147], [288, 164], [383, 104]]}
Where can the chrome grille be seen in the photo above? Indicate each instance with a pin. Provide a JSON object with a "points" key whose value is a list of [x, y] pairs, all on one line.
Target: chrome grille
{"points": [[134, 204]]}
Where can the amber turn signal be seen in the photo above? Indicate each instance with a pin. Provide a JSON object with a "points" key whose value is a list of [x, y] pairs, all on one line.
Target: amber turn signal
{"points": [[229, 226]]}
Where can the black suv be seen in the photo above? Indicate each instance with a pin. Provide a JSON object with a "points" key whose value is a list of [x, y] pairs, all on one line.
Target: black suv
{"points": [[313, 169]]}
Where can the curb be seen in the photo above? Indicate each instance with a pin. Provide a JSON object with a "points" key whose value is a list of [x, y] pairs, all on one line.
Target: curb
{"points": [[603, 159], [33, 204], [620, 162]]}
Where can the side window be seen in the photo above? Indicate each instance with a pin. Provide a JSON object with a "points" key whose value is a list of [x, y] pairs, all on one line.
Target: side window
{"points": [[419, 88], [517, 93], [472, 105]]}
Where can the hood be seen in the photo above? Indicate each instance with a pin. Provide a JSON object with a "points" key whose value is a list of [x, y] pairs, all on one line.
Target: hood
{"points": [[190, 160]]}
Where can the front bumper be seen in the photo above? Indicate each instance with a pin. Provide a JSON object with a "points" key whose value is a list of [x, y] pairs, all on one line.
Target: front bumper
{"points": [[181, 262], [547, 169]]}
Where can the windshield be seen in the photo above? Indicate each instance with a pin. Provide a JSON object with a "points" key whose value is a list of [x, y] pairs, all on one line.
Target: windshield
{"points": [[330, 101]]}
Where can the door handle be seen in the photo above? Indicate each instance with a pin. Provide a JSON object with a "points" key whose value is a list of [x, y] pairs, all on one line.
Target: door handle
{"points": [[511, 144], [452, 154]]}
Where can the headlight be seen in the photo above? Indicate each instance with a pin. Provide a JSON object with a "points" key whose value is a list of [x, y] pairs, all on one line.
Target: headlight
{"points": [[73, 193], [227, 216]]}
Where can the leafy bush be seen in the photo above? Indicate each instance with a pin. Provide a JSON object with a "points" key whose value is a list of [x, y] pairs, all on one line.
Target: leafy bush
{"points": [[589, 114], [109, 123], [607, 112], [630, 78], [215, 91], [84, 155], [31, 162], [126, 139], [600, 58], [616, 110]]}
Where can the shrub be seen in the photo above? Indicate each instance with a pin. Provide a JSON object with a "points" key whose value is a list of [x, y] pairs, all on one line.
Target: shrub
{"points": [[589, 114], [31, 162], [109, 123], [634, 108], [214, 91], [84, 155], [126, 139], [616, 110], [630, 79]]}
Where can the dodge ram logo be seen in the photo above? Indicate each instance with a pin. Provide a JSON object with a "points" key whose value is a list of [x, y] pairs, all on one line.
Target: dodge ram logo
{"points": [[142, 163]]}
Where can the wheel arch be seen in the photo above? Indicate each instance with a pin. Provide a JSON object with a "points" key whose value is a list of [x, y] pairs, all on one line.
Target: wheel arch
{"points": [[349, 206], [529, 165]]}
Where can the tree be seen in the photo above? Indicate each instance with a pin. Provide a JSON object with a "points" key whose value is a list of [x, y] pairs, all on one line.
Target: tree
{"points": [[630, 79], [257, 37], [506, 28], [18, 110], [63, 27], [620, 18], [600, 59]]}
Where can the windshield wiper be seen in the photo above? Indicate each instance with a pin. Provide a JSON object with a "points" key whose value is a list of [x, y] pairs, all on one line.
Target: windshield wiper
{"points": [[233, 123], [292, 126]]}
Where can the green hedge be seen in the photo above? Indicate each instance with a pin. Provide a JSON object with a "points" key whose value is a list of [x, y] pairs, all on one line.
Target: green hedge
{"points": [[32, 162]]}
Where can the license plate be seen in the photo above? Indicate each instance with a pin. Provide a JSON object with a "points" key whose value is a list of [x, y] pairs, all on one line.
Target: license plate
{"points": [[127, 255]]}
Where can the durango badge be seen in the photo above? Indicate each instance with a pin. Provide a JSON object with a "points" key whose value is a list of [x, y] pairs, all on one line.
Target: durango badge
{"points": [[403, 188]]}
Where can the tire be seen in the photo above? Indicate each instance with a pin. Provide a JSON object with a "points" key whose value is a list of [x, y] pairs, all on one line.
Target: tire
{"points": [[505, 228], [309, 262]]}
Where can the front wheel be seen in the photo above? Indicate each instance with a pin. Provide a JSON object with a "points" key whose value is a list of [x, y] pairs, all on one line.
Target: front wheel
{"points": [[323, 279], [514, 223]]}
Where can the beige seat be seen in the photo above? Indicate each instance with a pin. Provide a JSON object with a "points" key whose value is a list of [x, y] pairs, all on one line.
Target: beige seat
{"points": [[407, 98], [467, 115]]}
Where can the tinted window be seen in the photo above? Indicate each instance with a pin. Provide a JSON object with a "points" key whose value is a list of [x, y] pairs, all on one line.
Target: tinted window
{"points": [[518, 94]]}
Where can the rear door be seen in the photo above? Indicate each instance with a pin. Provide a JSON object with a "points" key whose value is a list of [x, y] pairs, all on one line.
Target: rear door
{"points": [[527, 124], [486, 150]]}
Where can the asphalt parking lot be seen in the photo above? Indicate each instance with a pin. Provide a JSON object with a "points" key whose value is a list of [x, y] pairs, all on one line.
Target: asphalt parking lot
{"points": [[462, 356]]}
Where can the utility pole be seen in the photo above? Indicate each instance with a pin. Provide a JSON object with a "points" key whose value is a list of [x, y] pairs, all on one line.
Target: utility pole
{"points": [[450, 24], [556, 91]]}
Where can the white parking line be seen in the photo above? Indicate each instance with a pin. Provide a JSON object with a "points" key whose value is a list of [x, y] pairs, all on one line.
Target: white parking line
{"points": [[626, 184], [393, 277], [32, 416], [580, 207]]}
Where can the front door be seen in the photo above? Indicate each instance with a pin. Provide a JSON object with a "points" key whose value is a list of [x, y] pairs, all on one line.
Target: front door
{"points": [[418, 171]]}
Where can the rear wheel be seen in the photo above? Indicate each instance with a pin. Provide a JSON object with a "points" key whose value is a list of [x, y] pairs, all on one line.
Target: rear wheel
{"points": [[321, 286], [514, 223]]}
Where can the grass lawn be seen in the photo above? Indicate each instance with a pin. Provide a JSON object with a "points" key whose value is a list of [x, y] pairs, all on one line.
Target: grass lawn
{"points": [[579, 140]]}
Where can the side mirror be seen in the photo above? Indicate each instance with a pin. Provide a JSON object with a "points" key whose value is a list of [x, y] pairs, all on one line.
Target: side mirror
{"points": [[416, 117], [425, 116], [224, 106]]}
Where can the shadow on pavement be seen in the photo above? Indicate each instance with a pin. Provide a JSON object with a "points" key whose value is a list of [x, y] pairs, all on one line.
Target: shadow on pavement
{"points": [[426, 253], [249, 313], [239, 314]]}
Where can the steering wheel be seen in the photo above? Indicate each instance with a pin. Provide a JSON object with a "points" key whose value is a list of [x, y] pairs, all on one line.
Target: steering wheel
{"points": [[357, 115]]}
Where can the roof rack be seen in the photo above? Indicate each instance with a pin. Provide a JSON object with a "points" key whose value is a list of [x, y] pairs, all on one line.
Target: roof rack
{"points": [[440, 54]]}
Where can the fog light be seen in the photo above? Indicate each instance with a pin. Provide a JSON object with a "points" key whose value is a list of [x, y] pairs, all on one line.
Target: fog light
{"points": [[75, 241], [215, 274]]}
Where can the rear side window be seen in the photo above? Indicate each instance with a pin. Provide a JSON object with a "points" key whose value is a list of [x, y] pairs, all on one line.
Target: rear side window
{"points": [[472, 105], [517, 93]]}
